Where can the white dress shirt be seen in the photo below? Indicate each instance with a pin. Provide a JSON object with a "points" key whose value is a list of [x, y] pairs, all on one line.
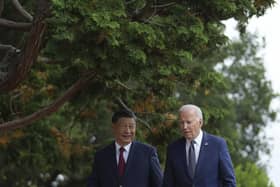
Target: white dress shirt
{"points": [[197, 144], [125, 153]]}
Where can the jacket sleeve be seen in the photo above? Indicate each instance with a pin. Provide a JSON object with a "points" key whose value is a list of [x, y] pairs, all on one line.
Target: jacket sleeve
{"points": [[93, 178], [226, 171], [155, 170], [168, 179]]}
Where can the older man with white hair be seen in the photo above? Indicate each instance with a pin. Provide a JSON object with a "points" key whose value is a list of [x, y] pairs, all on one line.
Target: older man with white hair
{"points": [[198, 159]]}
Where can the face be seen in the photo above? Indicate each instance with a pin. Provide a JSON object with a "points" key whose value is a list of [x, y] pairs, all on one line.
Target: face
{"points": [[124, 130], [190, 124]]}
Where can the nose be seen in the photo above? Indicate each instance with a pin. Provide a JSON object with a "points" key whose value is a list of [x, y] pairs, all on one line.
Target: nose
{"points": [[184, 124], [127, 129]]}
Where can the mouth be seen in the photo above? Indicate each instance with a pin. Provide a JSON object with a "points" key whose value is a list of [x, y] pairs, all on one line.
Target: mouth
{"points": [[126, 136], [187, 132]]}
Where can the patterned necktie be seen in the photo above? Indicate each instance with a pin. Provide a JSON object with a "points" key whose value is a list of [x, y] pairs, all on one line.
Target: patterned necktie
{"points": [[121, 165], [191, 161]]}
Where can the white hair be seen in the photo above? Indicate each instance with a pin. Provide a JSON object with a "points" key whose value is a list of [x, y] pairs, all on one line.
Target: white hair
{"points": [[192, 107]]}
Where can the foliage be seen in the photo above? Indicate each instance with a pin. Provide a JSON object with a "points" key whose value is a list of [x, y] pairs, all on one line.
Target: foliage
{"points": [[251, 175], [153, 58], [252, 98]]}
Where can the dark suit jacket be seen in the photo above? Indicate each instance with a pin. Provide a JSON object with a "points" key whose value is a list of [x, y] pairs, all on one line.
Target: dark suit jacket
{"points": [[142, 168], [213, 169]]}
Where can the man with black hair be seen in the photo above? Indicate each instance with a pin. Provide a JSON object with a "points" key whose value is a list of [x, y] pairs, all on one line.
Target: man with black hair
{"points": [[125, 162]]}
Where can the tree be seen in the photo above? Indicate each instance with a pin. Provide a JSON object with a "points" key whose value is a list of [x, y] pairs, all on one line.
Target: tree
{"points": [[252, 98], [16, 63], [251, 175], [109, 30], [96, 56], [237, 112]]}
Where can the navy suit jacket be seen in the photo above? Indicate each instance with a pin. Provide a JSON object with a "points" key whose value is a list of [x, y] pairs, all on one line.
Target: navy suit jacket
{"points": [[213, 169], [142, 168]]}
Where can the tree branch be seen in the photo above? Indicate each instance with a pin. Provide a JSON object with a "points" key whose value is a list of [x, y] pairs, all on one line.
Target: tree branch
{"points": [[15, 25], [31, 50], [27, 57], [164, 5], [9, 48], [12, 108], [22, 11], [129, 2], [128, 109], [1, 7], [48, 110], [46, 60], [122, 84], [153, 14]]}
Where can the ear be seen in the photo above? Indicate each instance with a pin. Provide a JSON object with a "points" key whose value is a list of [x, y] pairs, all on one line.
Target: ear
{"points": [[113, 126]]}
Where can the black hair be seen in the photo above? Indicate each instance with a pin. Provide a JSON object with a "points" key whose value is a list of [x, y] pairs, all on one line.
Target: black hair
{"points": [[122, 113]]}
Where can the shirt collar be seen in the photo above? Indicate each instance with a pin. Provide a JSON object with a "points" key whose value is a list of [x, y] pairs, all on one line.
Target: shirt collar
{"points": [[198, 139], [126, 147]]}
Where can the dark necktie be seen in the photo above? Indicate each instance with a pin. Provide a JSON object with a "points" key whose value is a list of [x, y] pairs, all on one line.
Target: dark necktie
{"points": [[121, 165], [191, 161]]}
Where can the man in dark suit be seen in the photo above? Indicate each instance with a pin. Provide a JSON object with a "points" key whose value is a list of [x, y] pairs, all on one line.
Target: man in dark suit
{"points": [[125, 162], [198, 159]]}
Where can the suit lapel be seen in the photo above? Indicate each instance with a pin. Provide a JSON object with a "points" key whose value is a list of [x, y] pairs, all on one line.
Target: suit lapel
{"points": [[202, 154], [130, 157], [182, 156]]}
